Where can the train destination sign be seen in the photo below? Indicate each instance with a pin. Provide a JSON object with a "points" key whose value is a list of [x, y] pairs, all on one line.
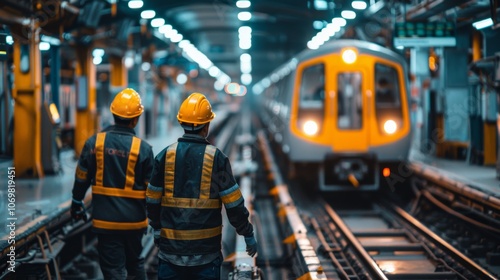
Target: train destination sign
{"points": [[424, 34]]}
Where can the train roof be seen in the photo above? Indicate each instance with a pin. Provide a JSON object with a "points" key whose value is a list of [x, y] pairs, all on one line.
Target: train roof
{"points": [[361, 46]]}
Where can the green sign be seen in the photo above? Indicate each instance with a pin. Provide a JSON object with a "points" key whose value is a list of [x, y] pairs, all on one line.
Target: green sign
{"points": [[424, 34]]}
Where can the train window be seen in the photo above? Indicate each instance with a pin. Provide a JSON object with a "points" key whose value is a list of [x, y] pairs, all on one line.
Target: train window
{"points": [[312, 86], [386, 86], [311, 104], [350, 101]]}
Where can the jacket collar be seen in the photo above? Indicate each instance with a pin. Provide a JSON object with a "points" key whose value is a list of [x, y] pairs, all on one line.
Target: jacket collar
{"points": [[119, 129], [193, 138]]}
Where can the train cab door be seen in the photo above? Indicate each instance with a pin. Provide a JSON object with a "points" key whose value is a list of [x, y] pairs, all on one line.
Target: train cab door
{"points": [[349, 104]]}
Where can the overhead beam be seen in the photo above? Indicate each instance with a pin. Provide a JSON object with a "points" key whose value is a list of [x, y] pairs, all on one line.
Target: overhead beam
{"points": [[428, 9]]}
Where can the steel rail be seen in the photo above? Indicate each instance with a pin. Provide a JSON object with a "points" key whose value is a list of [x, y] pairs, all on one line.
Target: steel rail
{"points": [[372, 266], [463, 259]]}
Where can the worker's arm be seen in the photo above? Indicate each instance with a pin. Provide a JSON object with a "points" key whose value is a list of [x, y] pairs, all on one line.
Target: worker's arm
{"points": [[230, 194], [84, 172], [155, 191]]}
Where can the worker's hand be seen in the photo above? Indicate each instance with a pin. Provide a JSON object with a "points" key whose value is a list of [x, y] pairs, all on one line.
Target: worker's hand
{"points": [[156, 236], [78, 211], [251, 245]]}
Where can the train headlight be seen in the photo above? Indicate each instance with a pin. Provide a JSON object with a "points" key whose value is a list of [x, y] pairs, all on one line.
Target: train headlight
{"points": [[310, 128], [349, 56], [390, 126]]}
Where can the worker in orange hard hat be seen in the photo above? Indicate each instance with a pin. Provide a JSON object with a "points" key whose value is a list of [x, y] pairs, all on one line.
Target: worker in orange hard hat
{"points": [[118, 166], [191, 180]]}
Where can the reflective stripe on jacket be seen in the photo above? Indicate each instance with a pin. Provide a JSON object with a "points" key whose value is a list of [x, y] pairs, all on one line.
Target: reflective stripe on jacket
{"points": [[118, 165], [191, 180]]}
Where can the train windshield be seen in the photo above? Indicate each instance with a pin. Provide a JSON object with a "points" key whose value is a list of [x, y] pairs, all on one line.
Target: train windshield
{"points": [[312, 89], [312, 99], [386, 86], [350, 101]]}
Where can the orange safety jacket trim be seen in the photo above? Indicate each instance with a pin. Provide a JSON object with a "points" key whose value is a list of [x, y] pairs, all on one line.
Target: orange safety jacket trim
{"points": [[119, 225], [203, 202]]}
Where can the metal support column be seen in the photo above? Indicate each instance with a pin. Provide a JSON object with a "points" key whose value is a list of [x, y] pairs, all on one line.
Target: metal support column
{"points": [[55, 74], [86, 113], [489, 99], [118, 74], [27, 94]]}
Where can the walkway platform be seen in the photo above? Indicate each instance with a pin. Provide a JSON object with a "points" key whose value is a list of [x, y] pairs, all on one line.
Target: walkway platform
{"points": [[481, 178]]}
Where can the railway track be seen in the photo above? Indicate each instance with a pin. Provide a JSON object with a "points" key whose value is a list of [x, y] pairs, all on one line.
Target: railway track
{"points": [[385, 242], [376, 239]]}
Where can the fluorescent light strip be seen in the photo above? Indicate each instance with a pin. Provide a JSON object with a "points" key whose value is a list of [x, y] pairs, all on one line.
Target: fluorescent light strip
{"points": [[359, 5], [135, 4], [244, 16], [243, 4], [483, 23], [192, 53], [148, 14]]}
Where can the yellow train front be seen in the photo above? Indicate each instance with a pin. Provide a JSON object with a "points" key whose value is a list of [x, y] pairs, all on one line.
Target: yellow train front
{"points": [[341, 114]]}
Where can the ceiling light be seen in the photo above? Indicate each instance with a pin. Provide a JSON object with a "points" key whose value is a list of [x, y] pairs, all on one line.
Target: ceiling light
{"points": [[359, 5], [339, 21], [312, 45], [128, 62], [148, 14], [245, 57], [165, 28], [184, 43], [135, 4], [146, 66], [157, 22], [213, 71], [44, 46], [176, 38], [245, 67], [244, 16], [97, 60], [245, 30], [170, 33], [348, 14], [318, 24], [242, 4], [245, 37], [97, 52], [483, 23], [218, 85], [320, 5], [245, 45], [181, 79], [246, 79]]}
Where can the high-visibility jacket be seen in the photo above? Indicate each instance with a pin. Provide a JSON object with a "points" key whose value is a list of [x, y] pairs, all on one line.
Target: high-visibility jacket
{"points": [[190, 182], [118, 166]]}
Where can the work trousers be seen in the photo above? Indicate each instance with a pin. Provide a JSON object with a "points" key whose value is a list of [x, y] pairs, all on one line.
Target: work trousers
{"points": [[209, 271], [120, 256]]}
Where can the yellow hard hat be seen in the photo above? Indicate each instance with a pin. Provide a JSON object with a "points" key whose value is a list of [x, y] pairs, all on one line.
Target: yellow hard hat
{"points": [[195, 110], [127, 104]]}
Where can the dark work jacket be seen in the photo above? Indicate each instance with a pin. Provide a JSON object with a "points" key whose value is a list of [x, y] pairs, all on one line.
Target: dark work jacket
{"points": [[118, 165], [184, 199]]}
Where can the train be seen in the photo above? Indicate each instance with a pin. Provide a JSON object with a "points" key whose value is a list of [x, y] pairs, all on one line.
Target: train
{"points": [[340, 113]]}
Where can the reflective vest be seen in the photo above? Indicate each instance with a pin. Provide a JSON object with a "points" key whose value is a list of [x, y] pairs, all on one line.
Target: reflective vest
{"points": [[121, 205], [190, 218]]}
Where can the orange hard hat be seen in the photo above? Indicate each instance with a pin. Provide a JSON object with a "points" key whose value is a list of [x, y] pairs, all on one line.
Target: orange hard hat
{"points": [[195, 111], [127, 104]]}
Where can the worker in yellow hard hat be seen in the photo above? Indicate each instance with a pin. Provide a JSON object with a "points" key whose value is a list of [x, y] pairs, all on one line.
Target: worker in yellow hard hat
{"points": [[191, 180], [118, 166]]}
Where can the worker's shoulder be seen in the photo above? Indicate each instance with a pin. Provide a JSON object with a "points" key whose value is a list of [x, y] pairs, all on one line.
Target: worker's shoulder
{"points": [[218, 152], [144, 144]]}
